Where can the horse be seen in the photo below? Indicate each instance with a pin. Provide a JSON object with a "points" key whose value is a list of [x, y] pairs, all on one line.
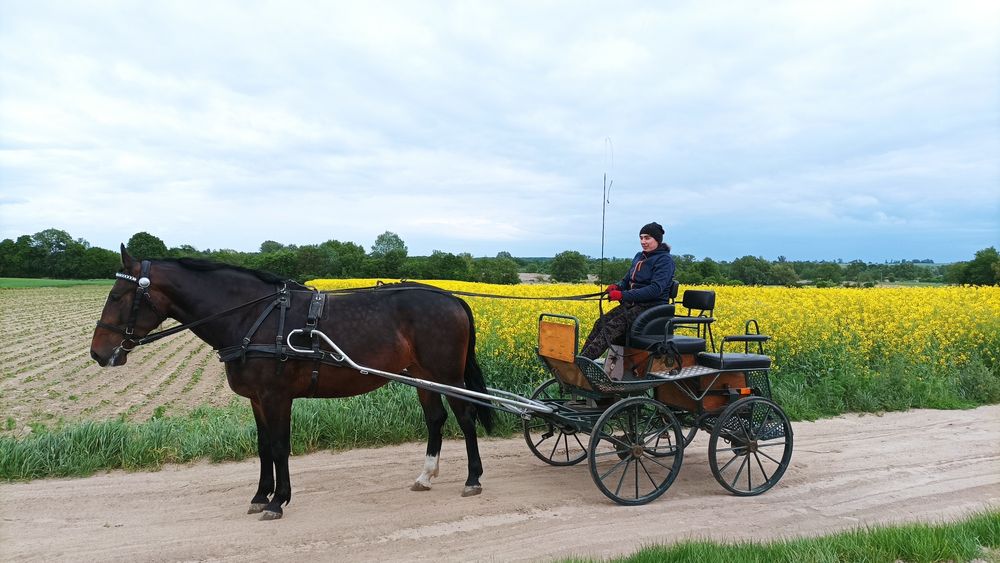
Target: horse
{"points": [[245, 315]]}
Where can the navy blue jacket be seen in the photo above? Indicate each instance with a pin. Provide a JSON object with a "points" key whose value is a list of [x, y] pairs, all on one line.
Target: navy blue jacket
{"points": [[649, 277]]}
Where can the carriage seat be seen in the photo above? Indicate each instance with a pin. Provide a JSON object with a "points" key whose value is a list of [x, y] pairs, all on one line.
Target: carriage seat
{"points": [[734, 361], [739, 361], [649, 331]]}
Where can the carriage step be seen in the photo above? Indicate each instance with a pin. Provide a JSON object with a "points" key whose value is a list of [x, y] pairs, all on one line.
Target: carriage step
{"points": [[684, 373]]}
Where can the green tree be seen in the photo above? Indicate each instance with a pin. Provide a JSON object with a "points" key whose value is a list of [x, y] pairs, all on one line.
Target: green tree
{"points": [[282, 262], [751, 270], [52, 241], [783, 274], [982, 269], [388, 254], [830, 272], [500, 270], [349, 258], [270, 246], [144, 246], [569, 266]]}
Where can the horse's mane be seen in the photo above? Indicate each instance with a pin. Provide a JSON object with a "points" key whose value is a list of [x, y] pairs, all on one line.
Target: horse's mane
{"points": [[199, 265]]}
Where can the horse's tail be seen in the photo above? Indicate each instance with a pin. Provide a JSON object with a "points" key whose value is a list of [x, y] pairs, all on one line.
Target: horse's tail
{"points": [[474, 379]]}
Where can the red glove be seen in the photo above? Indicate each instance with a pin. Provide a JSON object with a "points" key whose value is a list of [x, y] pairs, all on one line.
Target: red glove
{"points": [[613, 287], [614, 295]]}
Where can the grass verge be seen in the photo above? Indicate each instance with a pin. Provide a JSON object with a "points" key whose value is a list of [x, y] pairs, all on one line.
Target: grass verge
{"points": [[21, 283], [976, 538]]}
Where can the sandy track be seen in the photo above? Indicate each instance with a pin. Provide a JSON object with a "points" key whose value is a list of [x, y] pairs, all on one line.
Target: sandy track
{"points": [[916, 466]]}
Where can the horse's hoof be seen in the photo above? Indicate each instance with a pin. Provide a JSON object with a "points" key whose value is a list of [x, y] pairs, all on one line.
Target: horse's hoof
{"points": [[472, 491], [418, 486], [270, 515], [256, 507]]}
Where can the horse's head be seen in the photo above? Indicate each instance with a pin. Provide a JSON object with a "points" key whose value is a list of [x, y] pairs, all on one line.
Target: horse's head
{"points": [[131, 312]]}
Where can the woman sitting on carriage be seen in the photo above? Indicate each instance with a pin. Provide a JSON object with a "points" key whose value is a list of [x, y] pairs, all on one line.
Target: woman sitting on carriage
{"points": [[646, 285]]}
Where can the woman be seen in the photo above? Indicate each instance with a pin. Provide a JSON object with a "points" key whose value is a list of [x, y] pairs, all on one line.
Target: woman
{"points": [[646, 285]]}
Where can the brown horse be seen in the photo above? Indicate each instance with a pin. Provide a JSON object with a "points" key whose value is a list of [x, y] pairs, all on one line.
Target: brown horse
{"points": [[246, 316]]}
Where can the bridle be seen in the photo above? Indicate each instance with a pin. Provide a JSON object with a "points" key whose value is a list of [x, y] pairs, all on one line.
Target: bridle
{"points": [[130, 341]]}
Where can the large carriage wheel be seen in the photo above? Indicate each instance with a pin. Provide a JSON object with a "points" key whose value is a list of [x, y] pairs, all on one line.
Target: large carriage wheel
{"points": [[550, 442], [636, 450], [751, 446]]}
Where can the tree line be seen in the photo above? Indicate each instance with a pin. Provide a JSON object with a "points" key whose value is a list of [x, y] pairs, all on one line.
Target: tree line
{"points": [[53, 253]]}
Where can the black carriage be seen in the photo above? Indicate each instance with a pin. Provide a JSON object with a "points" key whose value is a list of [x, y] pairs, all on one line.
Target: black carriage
{"points": [[632, 415]]}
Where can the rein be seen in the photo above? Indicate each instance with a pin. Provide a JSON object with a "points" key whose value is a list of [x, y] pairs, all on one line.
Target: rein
{"points": [[379, 287], [280, 297]]}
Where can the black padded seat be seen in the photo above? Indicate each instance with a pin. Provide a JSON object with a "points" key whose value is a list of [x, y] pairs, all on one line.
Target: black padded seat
{"points": [[734, 361], [685, 344]]}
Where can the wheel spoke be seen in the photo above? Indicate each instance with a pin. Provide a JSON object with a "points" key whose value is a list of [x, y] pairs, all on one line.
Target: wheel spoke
{"points": [[768, 457], [621, 479], [613, 468], [657, 462], [761, 466], [724, 467], [740, 472], [648, 476], [762, 425], [555, 446]]}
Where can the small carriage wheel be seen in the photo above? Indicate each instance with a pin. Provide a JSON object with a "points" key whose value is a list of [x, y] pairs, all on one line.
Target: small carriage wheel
{"points": [[751, 446], [552, 443], [636, 450]]}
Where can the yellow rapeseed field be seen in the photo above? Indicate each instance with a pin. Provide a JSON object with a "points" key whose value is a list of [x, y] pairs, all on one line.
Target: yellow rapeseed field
{"points": [[935, 325]]}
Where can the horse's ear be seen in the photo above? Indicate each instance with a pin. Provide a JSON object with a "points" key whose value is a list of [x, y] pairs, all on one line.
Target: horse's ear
{"points": [[127, 259]]}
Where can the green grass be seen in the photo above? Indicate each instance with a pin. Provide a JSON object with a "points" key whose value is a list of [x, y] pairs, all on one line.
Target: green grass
{"points": [[21, 283], [390, 415], [975, 538]]}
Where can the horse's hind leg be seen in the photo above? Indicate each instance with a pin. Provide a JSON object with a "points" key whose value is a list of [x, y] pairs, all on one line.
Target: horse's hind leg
{"points": [[466, 414], [434, 416], [265, 486]]}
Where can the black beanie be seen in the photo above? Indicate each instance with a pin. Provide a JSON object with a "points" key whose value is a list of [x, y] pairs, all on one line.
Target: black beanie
{"points": [[654, 230]]}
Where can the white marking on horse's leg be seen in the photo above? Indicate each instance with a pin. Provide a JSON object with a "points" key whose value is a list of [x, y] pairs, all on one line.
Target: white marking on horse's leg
{"points": [[423, 482]]}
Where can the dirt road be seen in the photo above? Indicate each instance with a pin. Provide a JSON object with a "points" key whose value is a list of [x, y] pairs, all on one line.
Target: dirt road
{"points": [[845, 472]]}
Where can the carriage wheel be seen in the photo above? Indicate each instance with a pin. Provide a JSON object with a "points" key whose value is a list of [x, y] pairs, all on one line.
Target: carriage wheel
{"points": [[552, 443], [636, 450], [751, 446]]}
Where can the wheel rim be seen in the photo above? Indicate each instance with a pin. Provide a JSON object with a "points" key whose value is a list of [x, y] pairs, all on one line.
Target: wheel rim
{"points": [[636, 450], [751, 446], [552, 443]]}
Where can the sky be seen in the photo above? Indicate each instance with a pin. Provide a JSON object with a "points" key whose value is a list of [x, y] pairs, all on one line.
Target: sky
{"points": [[810, 130]]}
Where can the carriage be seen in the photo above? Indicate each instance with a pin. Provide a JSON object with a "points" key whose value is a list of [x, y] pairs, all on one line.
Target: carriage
{"points": [[632, 421], [631, 417]]}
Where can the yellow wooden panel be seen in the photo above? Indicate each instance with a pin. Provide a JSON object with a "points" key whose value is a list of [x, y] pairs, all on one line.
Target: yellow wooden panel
{"points": [[557, 341]]}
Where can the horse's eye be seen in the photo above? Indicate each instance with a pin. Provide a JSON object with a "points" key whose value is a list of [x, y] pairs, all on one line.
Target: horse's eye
{"points": [[113, 297]]}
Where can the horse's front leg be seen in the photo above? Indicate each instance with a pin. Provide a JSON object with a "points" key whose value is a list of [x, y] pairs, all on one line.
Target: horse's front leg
{"points": [[265, 486], [465, 412], [434, 416], [277, 414]]}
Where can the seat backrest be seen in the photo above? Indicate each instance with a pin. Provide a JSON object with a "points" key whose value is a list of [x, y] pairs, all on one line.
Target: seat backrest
{"points": [[557, 340], [700, 300], [653, 320], [675, 286]]}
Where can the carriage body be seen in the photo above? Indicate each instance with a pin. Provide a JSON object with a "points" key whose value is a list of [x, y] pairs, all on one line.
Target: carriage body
{"points": [[632, 421]]}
